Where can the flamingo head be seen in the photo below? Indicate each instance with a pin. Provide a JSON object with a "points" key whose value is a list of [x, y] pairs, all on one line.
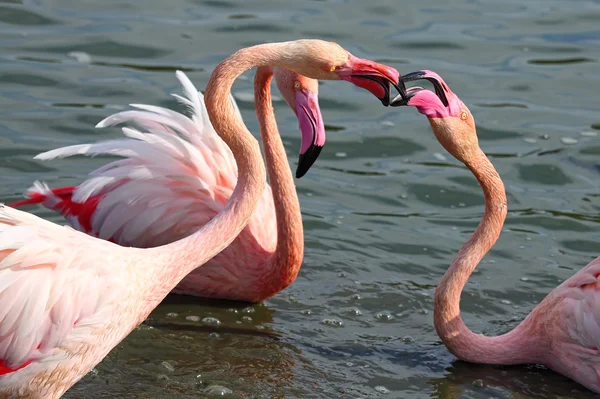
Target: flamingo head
{"points": [[450, 119], [318, 59], [302, 95]]}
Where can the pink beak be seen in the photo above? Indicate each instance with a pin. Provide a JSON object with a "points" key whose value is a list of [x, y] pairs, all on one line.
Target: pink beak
{"points": [[312, 129], [371, 76]]}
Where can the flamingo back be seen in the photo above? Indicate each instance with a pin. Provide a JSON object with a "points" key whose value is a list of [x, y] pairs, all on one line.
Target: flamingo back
{"points": [[51, 290]]}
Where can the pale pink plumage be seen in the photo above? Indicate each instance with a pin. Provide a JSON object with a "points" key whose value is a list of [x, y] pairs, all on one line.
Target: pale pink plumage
{"points": [[563, 331]]}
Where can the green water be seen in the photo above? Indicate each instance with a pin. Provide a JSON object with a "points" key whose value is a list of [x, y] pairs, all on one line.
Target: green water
{"points": [[385, 208]]}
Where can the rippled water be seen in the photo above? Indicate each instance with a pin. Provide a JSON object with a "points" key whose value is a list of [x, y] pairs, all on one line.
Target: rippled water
{"points": [[385, 208]]}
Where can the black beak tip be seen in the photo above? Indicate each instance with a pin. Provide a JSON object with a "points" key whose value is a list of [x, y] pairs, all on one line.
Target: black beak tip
{"points": [[385, 101], [306, 160]]}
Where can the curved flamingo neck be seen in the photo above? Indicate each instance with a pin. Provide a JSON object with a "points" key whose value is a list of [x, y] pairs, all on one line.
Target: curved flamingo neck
{"points": [[170, 263], [284, 265], [515, 347]]}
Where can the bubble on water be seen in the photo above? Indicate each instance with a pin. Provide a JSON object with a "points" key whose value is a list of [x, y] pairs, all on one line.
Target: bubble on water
{"points": [[247, 319], [439, 156], [168, 366], [80, 56], [423, 311], [211, 320], [403, 196], [341, 154], [387, 123], [569, 140], [162, 378], [478, 383], [259, 327], [382, 389], [249, 310], [232, 310], [192, 318], [505, 301], [354, 311], [214, 335], [544, 136], [384, 315], [334, 322], [407, 339], [218, 390], [343, 274], [530, 140], [306, 312], [171, 314], [355, 296], [524, 278], [349, 364]]}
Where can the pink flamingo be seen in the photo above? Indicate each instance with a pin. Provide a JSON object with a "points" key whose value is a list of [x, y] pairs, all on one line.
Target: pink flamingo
{"points": [[68, 298], [157, 195], [563, 331]]}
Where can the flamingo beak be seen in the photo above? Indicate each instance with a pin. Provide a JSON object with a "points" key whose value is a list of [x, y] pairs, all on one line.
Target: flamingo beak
{"points": [[312, 129], [371, 76], [403, 98]]}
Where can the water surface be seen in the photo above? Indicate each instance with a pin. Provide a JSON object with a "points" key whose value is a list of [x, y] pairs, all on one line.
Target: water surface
{"points": [[385, 208]]}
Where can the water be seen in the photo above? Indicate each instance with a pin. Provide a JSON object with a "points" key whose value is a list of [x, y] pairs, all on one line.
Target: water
{"points": [[385, 207]]}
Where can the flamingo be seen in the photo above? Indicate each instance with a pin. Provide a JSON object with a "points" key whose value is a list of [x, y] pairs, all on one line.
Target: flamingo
{"points": [[158, 196], [563, 331], [68, 298]]}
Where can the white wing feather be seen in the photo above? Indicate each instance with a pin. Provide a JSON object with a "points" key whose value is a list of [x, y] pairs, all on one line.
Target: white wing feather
{"points": [[176, 174]]}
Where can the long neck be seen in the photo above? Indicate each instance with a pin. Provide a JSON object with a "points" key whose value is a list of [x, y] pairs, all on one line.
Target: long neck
{"points": [[515, 347], [285, 263], [170, 263]]}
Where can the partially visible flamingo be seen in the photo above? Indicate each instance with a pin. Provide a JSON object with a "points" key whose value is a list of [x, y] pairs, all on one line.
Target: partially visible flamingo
{"points": [[563, 331], [156, 195], [68, 298]]}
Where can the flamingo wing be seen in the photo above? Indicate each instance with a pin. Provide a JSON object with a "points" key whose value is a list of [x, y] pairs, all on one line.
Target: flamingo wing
{"points": [[174, 176], [48, 284], [581, 313]]}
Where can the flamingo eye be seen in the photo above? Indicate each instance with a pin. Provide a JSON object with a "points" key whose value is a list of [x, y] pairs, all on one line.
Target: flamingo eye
{"points": [[297, 85], [332, 69], [463, 115]]}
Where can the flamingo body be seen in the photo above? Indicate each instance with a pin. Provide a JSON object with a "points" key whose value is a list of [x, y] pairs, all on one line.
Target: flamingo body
{"points": [[174, 177]]}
